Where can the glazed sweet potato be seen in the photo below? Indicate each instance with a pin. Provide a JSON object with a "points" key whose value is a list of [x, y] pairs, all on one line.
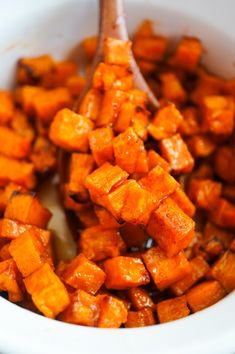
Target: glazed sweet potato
{"points": [[12, 144], [91, 104], [6, 107], [100, 141], [224, 271], [201, 145], [113, 312], [172, 309], [140, 298], [204, 193], [10, 280], [140, 318], [117, 52], [154, 160], [188, 53]]}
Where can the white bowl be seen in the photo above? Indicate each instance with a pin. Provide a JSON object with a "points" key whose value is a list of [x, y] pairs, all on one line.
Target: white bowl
{"points": [[56, 26]]}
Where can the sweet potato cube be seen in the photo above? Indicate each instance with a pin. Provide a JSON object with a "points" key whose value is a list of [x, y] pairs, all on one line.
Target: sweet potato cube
{"points": [[224, 271], [144, 203], [214, 233], [129, 144], [172, 309], [159, 182], [100, 141], [188, 53], [111, 104], [103, 179], [223, 214], [165, 271], [25, 95], [98, 243], [171, 227], [201, 145], [83, 274], [125, 272], [150, 48], [207, 85], [140, 298], [204, 193], [4, 252], [9, 280], [113, 312], [225, 163], [27, 208], [106, 219], [199, 268], [172, 88], [190, 123], [204, 295], [21, 124], [6, 107], [107, 77], [42, 285], [81, 165], [7, 193], [60, 73], [183, 202], [218, 115], [83, 309], [32, 70], [175, 151], [70, 130], [91, 104], [89, 45], [125, 116], [18, 172], [75, 84], [43, 155], [165, 122], [141, 318], [228, 192], [117, 51], [154, 160], [87, 216], [133, 235], [12, 144]]}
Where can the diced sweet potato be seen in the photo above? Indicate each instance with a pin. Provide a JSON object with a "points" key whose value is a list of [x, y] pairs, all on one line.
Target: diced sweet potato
{"points": [[140, 298], [190, 123], [150, 48], [83, 274], [12, 144], [6, 107], [43, 155], [146, 67], [172, 309], [170, 227], [26, 208], [204, 193], [228, 191], [59, 75], [225, 163], [33, 70], [129, 144], [10, 279], [83, 309], [106, 219], [42, 285], [172, 89], [6, 194], [4, 252], [133, 235], [188, 53], [25, 97], [125, 272], [232, 246], [223, 214], [100, 141], [175, 151], [201, 145], [204, 171], [21, 125], [91, 104], [199, 268], [113, 312], [89, 45], [165, 122], [154, 160], [117, 51], [183, 202], [140, 318], [165, 271], [218, 115], [212, 232], [204, 295], [224, 271], [98, 243], [87, 216], [18, 172], [107, 77], [70, 130], [75, 84], [111, 104], [103, 179]]}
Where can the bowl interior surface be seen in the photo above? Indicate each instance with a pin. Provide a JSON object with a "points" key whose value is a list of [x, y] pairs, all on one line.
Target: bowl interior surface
{"points": [[56, 27]]}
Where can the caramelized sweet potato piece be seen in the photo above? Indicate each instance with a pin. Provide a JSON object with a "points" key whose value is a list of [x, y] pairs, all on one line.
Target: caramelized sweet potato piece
{"points": [[89, 45], [18, 172], [21, 125], [218, 115], [6, 194], [25, 97], [188, 53], [107, 77], [70, 130], [83, 274], [100, 141], [204, 193], [125, 272], [117, 51], [10, 280], [98, 243], [172, 309], [27, 208], [225, 163], [171, 227], [33, 70], [113, 312], [223, 214], [12, 144], [165, 122], [75, 84], [43, 155], [42, 285], [91, 104], [199, 268], [224, 271], [204, 171], [190, 123], [175, 151], [204, 295], [212, 232], [172, 89], [82, 310], [151, 48], [87, 216], [141, 318], [133, 235], [165, 271], [106, 219], [201, 145], [183, 202], [232, 246], [6, 107], [111, 104], [4, 252], [154, 160], [60, 73], [140, 298], [228, 191]]}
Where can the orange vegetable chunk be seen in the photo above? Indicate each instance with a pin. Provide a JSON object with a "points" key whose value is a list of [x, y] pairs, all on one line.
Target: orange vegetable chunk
{"points": [[6, 194], [172, 309], [117, 51], [140, 318], [12, 144], [89, 45], [70, 130], [172, 88], [133, 235], [190, 123], [106, 219], [10, 280], [165, 271], [204, 193], [223, 214], [171, 227], [42, 285], [100, 141], [107, 77], [113, 312], [225, 163], [6, 107], [154, 160], [224, 271], [188, 53], [111, 104], [183, 202], [83, 274], [125, 272], [140, 298], [204, 295], [91, 104], [150, 48], [33, 70]]}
